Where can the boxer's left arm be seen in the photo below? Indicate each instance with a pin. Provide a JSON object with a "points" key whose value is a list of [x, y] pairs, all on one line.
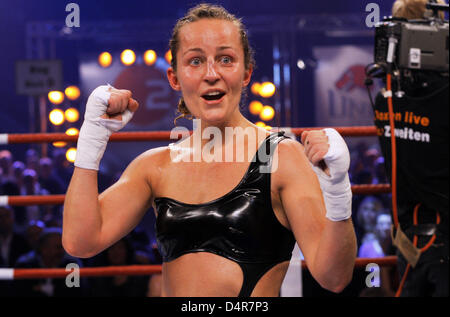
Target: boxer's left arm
{"points": [[329, 247]]}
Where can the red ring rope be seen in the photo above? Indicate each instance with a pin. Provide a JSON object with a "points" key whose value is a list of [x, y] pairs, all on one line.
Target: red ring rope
{"points": [[162, 135], [140, 269], [59, 199]]}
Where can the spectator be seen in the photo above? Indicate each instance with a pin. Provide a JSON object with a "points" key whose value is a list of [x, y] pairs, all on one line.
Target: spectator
{"points": [[32, 187], [380, 172], [10, 188], [48, 179], [366, 218], [121, 253], [6, 161], [62, 168], [154, 283], [379, 246], [12, 244], [380, 243], [49, 254], [33, 232], [32, 159], [383, 233], [369, 159], [141, 244], [18, 168], [356, 161], [364, 176]]}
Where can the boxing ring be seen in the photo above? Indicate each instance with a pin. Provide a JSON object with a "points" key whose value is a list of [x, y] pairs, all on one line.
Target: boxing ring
{"points": [[34, 273]]}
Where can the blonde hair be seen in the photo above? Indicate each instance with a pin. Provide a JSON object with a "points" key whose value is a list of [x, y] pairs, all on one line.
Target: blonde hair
{"points": [[411, 9], [207, 11]]}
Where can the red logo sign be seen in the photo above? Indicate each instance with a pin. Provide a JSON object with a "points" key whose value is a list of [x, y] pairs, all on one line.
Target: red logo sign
{"points": [[151, 89], [352, 78]]}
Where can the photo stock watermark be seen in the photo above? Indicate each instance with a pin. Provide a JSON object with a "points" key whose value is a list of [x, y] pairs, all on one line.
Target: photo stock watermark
{"points": [[73, 278], [373, 18], [73, 18], [373, 278]]}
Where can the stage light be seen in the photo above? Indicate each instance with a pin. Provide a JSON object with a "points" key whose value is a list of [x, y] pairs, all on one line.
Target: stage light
{"points": [[128, 57], [267, 89], [105, 59], [72, 115], [268, 127], [71, 154], [56, 97], [301, 64], [168, 56], [255, 107], [255, 88], [56, 116], [59, 144], [72, 131], [149, 57], [72, 92], [260, 124], [267, 113]]}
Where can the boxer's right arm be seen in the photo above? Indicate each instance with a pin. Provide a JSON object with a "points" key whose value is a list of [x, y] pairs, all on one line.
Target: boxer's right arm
{"points": [[85, 221], [93, 222]]}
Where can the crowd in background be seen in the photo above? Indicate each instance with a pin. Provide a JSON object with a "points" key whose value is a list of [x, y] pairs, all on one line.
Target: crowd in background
{"points": [[30, 236]]}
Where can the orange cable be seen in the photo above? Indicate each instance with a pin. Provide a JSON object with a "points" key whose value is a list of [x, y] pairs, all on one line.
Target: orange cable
{"points": [[393, 152], [423, 249]]}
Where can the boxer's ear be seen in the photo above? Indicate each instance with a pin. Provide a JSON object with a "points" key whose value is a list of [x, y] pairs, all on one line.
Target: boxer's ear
{"points": [[173, 79], [247, 76]]}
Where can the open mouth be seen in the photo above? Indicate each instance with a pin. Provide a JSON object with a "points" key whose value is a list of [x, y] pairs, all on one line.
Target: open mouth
{"points": [[213, 96]]}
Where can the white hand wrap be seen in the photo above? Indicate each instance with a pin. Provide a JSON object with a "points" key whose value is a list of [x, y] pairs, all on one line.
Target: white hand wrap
{"points": [[336, 189], [95, 131]]}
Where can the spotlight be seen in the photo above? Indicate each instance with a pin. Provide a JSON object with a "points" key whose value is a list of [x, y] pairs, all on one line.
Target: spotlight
{"points": [[59, 144], [56, 116], [105, 59], [150, 57], [168, 56], [255, 88], [267, 89], [72, 115], [72, 92], [255, 107], [267, 113], [71, 154], [128, 57], [301, 64], [56, 97], [72, 131]]}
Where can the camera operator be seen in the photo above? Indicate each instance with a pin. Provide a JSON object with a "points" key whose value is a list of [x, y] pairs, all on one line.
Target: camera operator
{"points": [[422, 140]]}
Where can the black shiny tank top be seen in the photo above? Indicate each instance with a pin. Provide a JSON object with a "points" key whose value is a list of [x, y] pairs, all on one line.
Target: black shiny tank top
{"points": [[241, 225]]}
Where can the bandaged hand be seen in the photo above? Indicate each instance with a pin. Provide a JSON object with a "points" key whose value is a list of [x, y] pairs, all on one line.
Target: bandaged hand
{"points": [[107, 110], [330, 160]]}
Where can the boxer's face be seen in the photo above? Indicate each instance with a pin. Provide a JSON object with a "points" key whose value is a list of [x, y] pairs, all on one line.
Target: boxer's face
{"points": [[210, 69]]}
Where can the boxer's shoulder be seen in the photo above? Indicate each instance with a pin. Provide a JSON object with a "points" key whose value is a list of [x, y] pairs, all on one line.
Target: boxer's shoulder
{"points": [[289, 150], [155, 157], [291, 162], [149, 165]]}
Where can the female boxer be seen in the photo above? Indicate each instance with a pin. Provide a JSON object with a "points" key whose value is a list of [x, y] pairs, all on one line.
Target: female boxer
{"points": [[223, 228]]}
